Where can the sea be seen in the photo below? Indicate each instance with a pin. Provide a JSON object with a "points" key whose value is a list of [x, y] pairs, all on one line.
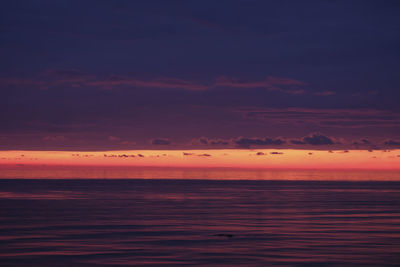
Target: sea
{"points": [[209, 221]]}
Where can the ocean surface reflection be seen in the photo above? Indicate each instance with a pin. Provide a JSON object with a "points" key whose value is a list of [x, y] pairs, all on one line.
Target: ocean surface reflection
{"points": [[198, 222]]}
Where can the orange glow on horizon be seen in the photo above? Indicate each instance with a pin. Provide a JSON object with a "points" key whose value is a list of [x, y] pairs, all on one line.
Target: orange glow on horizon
{"points": [[228, 158]]}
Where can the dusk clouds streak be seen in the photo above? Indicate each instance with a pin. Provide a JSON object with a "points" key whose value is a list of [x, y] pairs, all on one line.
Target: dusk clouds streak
{"points": [[76, 78], [284, 85]]}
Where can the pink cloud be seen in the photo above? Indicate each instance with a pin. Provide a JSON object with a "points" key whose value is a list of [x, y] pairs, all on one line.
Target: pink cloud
{"points": [[75, 78], [271, 83], [128, 143], [55, 138], [116, 81], [325, 93], [113, 138]]}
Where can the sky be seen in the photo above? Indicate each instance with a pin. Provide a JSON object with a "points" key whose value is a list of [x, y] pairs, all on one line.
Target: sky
{"points": [[176, 75]]}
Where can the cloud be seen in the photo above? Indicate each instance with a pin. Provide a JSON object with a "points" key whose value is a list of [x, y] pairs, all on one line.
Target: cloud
{"points": [[318, 139], [349, 118], [392, 143], [362, 142], [160, 141], [113, 138], [314, 139], [165, 82], [297, 142], [66, 76], [120, 141], [55, 138], [284, 85], [269, 82], [260, 154], [51, 78], [76, 78], [199, 155], [210, 141], [324, 93], [247, 142], [276, 153], [203, 141], [128, 143], [365, 141], [119, 156]]}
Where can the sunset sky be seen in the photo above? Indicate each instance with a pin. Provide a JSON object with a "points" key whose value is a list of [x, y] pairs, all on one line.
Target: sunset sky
{"points": [[204, 78]]}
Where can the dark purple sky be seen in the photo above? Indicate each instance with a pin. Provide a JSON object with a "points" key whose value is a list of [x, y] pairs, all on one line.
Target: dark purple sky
{"points": [[95, 75]]}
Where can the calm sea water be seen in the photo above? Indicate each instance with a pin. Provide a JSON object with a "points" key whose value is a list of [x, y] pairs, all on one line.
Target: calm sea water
{"points": [[199, 222]]}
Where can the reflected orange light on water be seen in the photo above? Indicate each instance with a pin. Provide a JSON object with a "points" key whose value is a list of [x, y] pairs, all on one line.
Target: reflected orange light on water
{"points": [[181, 173]]}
